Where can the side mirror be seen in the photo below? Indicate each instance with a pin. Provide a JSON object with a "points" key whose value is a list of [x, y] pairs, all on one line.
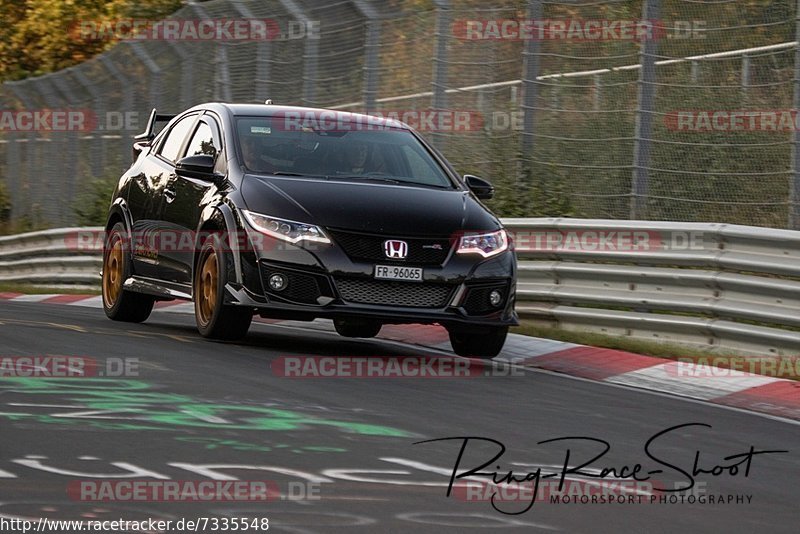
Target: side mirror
{"points": [[200, 167], [482, 189]]}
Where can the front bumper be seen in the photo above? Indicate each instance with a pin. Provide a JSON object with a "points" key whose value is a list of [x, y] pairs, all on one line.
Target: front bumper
{"points": [[326, 283]]}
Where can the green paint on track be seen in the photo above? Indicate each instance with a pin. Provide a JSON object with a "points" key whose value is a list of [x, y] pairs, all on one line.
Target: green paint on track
{"points": [[137, 407]]}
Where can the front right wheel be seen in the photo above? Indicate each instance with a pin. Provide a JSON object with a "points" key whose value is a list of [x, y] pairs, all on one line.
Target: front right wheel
{"points": [[357, 328], [479, 342]]}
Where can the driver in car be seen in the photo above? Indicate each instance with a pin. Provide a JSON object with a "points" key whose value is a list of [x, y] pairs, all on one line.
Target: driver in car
{"points": [[356, 154], [253, 157]]}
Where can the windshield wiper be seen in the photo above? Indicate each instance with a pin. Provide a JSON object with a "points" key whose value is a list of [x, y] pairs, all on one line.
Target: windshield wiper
{"points": [[367, 178], [301, 175], [387, 178], [395, 181]]}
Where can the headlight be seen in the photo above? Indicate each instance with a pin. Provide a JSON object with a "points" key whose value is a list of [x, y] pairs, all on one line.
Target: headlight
{"points": [[484, 244], [290, 231]]}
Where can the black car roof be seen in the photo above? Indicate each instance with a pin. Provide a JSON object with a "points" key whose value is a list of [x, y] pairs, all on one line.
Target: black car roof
{"points": [[269, 110]]}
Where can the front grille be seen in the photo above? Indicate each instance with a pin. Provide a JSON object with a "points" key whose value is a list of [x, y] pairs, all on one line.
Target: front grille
{"points": [[369, 247], [303, 288], [477, 300], [409, 294]]}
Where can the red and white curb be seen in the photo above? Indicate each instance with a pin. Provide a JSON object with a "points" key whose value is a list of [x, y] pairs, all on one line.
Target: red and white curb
{"points": [[773, 396]]}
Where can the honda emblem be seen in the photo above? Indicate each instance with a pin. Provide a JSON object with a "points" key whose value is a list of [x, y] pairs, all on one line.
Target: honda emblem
{"points": [[397, 250]]}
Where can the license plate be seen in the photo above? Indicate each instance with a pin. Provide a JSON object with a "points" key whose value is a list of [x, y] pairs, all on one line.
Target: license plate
{"points": [[394, 272]]}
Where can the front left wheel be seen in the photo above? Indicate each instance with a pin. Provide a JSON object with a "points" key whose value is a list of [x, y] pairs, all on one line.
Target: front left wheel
{"points": [[215, 320], [118, 303]]}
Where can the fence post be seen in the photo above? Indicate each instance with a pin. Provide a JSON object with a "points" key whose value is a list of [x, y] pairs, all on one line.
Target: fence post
{"points": [[127, 88], [25, 91], [530, 91], [66, 188], [745, 72], [794, 185], [187, 74], [98, 151], [598, 92], [644, 114], [371, 53], [371, 65], [154, 71], [440, 63], [20, 197], [311, 60], [310, 55], [263, 55], [222, 88]]}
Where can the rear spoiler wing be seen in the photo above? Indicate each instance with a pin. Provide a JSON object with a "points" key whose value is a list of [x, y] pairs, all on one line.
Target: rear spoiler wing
{"points": [[143, 139], [149, 132]]}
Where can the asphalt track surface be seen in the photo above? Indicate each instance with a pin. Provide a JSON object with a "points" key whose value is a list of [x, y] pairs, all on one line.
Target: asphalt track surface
{"points": [[219, 405]]}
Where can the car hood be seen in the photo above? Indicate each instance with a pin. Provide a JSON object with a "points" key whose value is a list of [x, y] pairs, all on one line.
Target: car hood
{"points": [[367, 207]]}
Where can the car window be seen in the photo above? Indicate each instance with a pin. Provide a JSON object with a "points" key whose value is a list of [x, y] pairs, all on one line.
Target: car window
{"points": [[421, 167], [349, 151], [172, 144], [203, 142]]}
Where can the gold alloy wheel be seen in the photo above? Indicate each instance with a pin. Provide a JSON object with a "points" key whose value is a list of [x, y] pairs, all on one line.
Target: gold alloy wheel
{"points": [[207, 288], [112, 274]]}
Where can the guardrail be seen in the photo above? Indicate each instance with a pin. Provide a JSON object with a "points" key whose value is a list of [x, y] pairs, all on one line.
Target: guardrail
{"points": [[715, 286], [52, 258]]}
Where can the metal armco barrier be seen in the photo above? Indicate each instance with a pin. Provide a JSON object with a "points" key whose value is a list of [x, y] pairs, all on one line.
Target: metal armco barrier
{"points": [[53, 258], [717, 286]]}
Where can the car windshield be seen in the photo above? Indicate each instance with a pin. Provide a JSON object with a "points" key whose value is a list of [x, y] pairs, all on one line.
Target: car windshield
{"points": [[346, 151]]}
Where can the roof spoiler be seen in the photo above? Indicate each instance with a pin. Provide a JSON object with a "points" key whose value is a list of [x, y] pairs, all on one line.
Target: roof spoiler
{"points": [[149, 132]]}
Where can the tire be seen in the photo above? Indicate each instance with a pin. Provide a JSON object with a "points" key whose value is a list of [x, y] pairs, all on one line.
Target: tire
{"points": [[356, 328], [484, 343], [214, 319], [119, 304]]}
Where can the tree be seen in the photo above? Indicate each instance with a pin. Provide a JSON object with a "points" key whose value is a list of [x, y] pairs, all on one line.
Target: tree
{"points": [[40, 36], [92, 204]]}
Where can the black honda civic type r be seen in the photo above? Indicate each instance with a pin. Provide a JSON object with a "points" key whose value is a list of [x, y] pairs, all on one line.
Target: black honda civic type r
{"points": [[297, 213]]}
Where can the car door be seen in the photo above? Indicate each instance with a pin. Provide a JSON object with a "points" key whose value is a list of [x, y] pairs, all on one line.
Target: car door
{"points": [[146, 192], [183, 201]]}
